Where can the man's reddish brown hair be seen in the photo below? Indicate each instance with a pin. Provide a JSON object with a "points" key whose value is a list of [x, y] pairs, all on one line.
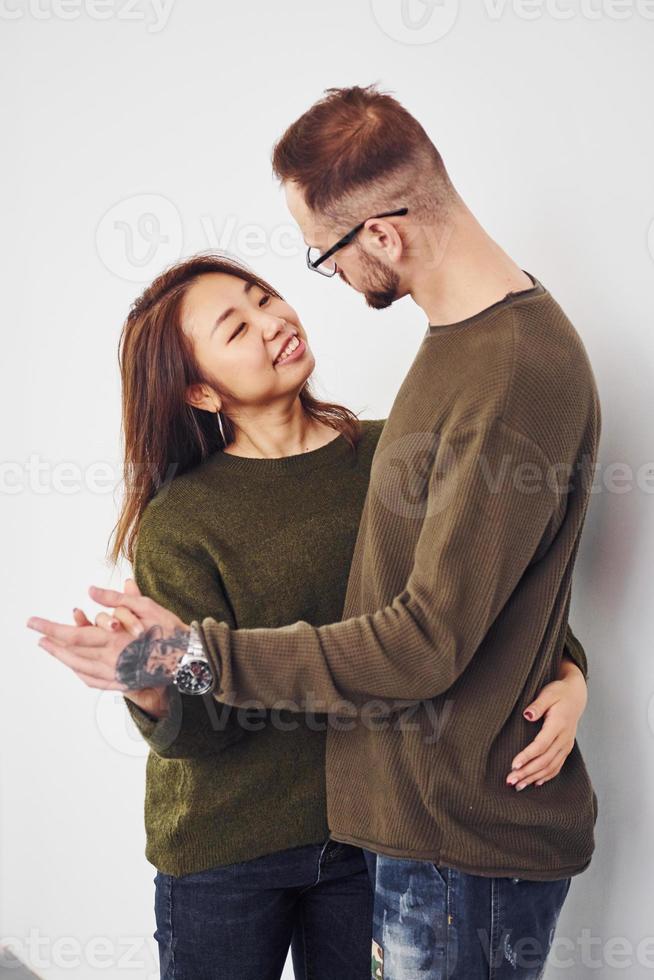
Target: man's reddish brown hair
{"points": [[360, 141]]}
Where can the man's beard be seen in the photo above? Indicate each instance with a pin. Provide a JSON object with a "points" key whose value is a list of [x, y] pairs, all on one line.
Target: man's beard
{"points": [[381, 284]]}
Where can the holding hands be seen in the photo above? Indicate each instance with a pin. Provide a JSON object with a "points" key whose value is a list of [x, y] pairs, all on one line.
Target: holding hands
{"points": [[135, 650]]}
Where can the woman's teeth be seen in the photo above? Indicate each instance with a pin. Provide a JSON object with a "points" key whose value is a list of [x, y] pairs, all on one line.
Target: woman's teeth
{"points": [[293, 345]]}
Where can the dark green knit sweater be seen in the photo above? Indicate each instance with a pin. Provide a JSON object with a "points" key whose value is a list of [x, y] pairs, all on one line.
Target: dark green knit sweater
{"points": [[253, 543]]}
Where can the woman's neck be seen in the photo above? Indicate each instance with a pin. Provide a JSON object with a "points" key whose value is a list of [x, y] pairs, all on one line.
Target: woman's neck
{"points": [[273, 436]]}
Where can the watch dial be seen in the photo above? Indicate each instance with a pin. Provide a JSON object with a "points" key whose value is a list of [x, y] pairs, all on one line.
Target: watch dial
{"points": [[195, 677]]}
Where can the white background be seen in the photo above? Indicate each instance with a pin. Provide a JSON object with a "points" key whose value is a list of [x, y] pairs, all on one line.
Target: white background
{"points": [[136, 136]]}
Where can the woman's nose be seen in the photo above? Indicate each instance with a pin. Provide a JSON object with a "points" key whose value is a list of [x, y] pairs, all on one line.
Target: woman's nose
{"points": [[272, 326]]}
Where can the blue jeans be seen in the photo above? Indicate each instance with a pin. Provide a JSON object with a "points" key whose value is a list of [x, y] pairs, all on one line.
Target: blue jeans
{"points": [[237, 921], [435, 923]]}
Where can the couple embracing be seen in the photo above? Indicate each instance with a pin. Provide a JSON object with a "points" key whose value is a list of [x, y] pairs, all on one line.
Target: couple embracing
{"points": [[347, 642]]}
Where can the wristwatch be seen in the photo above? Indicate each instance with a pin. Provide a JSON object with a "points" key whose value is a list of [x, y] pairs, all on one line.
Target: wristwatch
{"points": [[194, 674]]}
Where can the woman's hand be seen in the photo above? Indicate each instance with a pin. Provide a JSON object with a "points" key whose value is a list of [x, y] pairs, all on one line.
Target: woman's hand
{"points": [[153, 700], [122, 616], [114, 659], [562, 704]]}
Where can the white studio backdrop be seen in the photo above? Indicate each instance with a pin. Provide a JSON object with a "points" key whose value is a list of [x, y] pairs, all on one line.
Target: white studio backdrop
{"points": [[138, 131]]}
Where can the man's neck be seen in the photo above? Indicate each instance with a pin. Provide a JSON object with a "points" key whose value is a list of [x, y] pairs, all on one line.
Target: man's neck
{"points": [[460, 270]]}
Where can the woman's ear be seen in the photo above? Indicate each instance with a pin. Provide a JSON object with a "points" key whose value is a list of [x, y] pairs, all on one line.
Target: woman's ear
{"points": [[200, 396]]}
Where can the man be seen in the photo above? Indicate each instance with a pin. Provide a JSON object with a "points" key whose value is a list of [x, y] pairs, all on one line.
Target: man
{"points": [[459, 591]]}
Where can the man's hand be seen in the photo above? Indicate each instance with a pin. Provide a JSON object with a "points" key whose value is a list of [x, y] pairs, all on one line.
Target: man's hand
{"points": [[561, 704], [114, 659]]}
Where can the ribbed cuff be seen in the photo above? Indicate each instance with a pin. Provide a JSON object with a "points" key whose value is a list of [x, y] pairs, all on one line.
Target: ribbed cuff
{"points": [[576, 653], [159, 733]]}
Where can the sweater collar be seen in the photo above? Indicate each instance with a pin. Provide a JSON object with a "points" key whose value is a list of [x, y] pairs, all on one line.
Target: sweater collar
{"points": [[436, 330], [334, 450]]}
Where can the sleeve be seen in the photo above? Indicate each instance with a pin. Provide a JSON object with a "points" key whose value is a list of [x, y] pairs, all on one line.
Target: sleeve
{"points": [[476, 541], [185, 580], [574, 651]]}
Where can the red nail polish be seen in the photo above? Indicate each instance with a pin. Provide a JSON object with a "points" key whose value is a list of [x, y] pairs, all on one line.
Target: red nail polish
{"points": [[529, 715]]}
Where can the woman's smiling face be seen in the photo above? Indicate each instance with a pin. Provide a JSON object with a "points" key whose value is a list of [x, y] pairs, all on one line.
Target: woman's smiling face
{"points": [[241, 337]]}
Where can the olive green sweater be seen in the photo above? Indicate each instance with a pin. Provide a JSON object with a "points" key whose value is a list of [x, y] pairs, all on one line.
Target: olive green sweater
{"points": [[253, 543], [457, 604]]}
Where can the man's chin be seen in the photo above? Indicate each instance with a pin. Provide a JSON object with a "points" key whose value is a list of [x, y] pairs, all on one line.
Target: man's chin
{"points": [[379, 301]]}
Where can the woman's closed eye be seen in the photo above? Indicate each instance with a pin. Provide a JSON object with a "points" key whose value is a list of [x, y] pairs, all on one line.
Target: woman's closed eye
{"points": [[265, 299]]}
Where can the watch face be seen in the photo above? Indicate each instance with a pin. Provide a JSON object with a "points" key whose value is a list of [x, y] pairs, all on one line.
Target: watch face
{"points": [[194, 677]]}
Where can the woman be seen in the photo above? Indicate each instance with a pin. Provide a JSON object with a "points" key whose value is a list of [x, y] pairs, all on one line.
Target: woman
{"points": [[230, 462]]}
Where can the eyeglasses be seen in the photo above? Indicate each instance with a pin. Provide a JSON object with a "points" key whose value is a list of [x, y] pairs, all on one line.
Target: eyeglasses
{"points": [[324, 264]]}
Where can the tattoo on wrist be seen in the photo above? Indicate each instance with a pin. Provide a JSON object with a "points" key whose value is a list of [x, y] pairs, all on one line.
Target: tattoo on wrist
{"points": [[151, 660]]}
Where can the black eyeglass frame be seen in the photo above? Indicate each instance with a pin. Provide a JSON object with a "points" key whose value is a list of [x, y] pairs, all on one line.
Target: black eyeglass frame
{"points": [[345, 240]]}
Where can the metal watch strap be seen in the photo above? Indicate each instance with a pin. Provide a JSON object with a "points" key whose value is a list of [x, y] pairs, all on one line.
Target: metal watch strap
{"points": [[195, 646]]}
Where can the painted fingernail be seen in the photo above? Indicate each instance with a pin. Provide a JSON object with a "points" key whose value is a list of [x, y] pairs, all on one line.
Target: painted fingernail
{"points": [[115, 625], [529, 715]]}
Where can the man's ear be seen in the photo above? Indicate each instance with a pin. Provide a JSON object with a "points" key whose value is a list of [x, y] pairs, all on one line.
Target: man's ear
{"points": [[383, 237], [201, 396]]}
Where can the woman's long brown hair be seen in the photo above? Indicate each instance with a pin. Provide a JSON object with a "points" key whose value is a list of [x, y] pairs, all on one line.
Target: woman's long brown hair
{"points": [[163, 435]]}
